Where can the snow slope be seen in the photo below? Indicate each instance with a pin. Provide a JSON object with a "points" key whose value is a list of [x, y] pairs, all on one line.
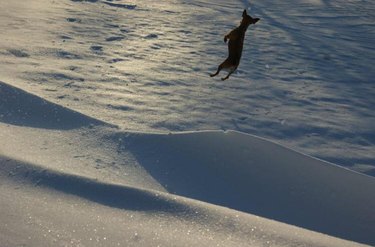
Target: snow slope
{"points": [[305, 80], [94, 185], [97, 91]]}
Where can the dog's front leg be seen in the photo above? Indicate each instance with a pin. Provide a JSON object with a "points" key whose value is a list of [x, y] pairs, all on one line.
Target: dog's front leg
{"points": [[226, 38]]}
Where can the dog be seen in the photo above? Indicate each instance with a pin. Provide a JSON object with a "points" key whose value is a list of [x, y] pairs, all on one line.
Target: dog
{"points": [[236, 38]]}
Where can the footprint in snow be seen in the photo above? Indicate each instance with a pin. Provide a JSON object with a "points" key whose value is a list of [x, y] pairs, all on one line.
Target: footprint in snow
{"points": [[120, 107], [96, 48], [151, 36], [123, 30], [119, 5], [73, 20], [114, 38], [115, 60]]}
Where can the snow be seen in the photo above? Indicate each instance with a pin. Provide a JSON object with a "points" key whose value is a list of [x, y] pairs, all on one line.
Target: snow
{"points": [[93, 184], [305, 79], [113, 134]]}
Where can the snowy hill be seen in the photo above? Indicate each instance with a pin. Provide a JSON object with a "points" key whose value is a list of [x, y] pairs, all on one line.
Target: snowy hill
{"points": [[113, 134]]}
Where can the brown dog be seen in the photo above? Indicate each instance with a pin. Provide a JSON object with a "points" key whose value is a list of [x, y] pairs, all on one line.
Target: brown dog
{"points": [[235, 45]]}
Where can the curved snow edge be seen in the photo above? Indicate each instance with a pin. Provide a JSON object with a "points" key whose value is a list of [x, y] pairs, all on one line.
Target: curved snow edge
{"points": [[19, 107]]}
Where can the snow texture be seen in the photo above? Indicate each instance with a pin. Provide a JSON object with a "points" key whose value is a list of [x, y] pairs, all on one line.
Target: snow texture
{"points": [[113, 134], [92, 184], [305, 79]]}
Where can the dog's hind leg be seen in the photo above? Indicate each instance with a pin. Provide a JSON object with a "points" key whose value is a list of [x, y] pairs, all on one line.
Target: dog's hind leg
{"points": [[230, 72], [218, 70]]}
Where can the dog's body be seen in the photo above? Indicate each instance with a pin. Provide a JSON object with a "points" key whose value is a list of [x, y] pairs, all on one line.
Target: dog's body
{"points": [[235, 45]]}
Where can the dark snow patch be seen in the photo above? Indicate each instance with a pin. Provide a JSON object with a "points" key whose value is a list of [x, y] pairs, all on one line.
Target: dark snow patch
{"points": [[67, 55], [96, 48], [90, 1], [114, 38], [115, 60], [151, 36], [123, 6], [18, 53], [73, 19], [120, 107]]}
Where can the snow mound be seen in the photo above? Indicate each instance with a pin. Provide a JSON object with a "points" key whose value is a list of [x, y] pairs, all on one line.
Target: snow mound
{"points": [[254, 175]]}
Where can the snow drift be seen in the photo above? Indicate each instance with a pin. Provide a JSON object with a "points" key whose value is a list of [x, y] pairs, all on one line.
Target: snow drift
{"points": [[254, 175], [177, 181]]}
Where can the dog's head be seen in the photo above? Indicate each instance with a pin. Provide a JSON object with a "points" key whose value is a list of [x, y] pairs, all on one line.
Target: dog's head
{"points": [[247, 19]]}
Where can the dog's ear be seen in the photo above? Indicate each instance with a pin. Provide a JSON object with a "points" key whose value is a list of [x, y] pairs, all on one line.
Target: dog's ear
{"points": [[244, 13], [255, 20]]}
